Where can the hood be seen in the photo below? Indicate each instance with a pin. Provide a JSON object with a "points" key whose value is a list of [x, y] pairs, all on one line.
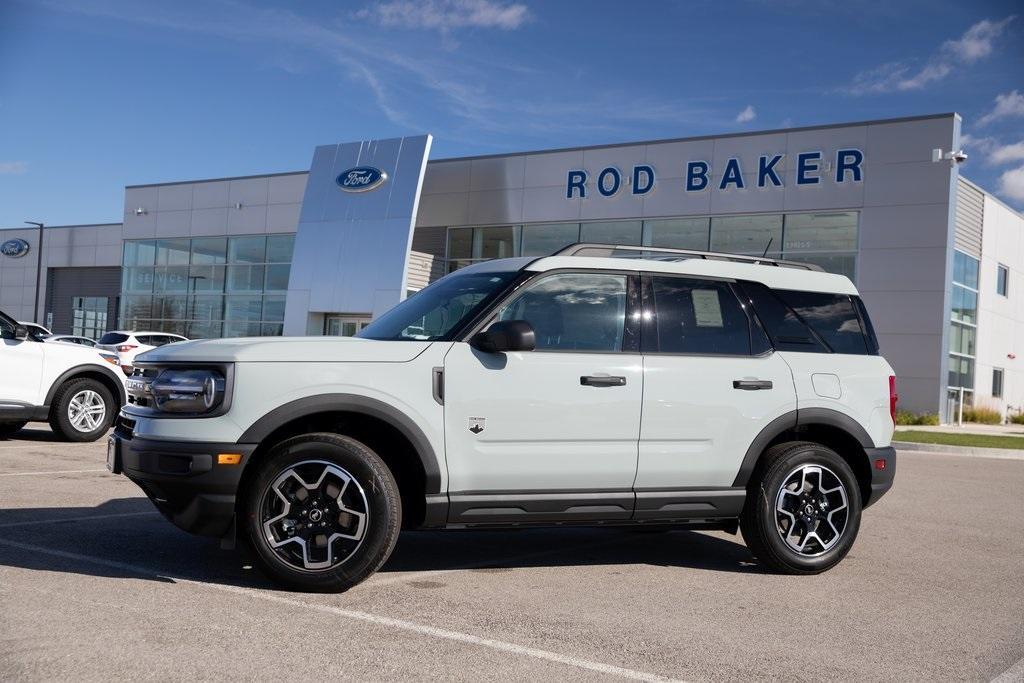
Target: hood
{"points": [[287, 349]]}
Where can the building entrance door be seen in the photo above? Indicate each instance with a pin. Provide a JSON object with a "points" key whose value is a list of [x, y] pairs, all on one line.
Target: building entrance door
{"points": [[344, 325]]}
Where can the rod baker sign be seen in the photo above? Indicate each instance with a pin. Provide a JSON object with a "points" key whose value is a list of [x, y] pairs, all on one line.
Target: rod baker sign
{"points": [[698, 176]]}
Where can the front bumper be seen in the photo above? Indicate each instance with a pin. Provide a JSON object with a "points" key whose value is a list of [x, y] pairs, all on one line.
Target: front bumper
{"points": [[881, 479], [183, 479]]}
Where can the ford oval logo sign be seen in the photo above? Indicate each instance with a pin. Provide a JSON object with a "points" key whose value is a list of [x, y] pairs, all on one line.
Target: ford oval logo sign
{"points": [[14, 248], [361, 179]]}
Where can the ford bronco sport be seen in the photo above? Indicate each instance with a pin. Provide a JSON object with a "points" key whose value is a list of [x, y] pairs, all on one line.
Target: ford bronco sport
{"points": [[600, 386]]}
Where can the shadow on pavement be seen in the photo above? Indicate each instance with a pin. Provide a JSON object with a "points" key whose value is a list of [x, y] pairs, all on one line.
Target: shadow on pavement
{"points": [[125, 538]]}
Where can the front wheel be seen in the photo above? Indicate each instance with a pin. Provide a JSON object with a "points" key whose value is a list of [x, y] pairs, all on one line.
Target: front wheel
{"points": [[803, 510], [82, 410], [322, 513]]}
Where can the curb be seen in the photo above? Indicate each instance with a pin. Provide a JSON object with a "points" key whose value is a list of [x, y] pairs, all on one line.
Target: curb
{"points": [[1000, 453]]}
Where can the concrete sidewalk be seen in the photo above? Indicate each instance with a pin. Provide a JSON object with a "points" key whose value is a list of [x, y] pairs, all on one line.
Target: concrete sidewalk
{"points": [[968, 428]]}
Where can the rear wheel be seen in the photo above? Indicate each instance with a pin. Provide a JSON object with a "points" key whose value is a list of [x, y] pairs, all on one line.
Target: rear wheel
{"points": [[322, 513], [83, 410], [9, 428], [803, 509]]}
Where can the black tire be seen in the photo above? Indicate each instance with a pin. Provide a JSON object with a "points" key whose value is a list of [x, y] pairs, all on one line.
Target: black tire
{"points": [[9, 428], [60, 419], [763, 527], [377, 492]]}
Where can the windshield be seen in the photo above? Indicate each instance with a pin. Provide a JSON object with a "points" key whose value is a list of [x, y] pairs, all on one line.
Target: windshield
{"points": [[440, 309]]}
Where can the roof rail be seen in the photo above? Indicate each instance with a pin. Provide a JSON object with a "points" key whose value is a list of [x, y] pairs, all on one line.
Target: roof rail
{"points": [[669, 254]]}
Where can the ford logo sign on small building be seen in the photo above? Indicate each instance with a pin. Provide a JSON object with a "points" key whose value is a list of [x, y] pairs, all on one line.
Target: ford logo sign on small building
{"points": [[361, 179], [15, 248]]}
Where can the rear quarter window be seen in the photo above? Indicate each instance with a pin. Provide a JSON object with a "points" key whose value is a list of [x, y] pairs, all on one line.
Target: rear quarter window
{"points": [[812, 322], [832, 316]]}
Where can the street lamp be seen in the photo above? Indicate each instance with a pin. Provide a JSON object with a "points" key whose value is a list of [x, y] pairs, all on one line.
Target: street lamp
{"points": [[39, 266]]}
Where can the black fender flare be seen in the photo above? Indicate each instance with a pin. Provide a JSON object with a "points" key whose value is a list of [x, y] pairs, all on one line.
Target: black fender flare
{"points": [[84, 369], [791, 420], [350, 403]]}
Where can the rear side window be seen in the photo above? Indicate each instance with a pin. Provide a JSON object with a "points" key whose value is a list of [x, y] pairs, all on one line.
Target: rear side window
{"points": [[832, 316], [696, 316], [113, 338], [812, 322]]}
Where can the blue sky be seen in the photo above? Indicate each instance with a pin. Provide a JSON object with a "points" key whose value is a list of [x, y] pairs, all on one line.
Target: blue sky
{"points": [[97, 94]]}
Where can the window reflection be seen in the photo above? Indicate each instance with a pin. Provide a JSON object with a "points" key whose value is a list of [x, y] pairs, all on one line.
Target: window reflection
{"points": [[179, 285]]}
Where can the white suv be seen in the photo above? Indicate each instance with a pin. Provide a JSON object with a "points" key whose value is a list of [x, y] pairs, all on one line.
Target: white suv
{"points": [[70, 386], [127, 344], [602, 385]]}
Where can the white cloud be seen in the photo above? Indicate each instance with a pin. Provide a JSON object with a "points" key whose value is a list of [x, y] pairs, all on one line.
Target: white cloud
{"points": [[13, 167], [1007, 104], [448, 15], [976, 43], [1005, 154], [747, 115], [1011, 184]]}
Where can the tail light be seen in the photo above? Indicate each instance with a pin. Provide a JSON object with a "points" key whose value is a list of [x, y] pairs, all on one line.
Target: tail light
{"points": [[121, 348], [892, 397]]}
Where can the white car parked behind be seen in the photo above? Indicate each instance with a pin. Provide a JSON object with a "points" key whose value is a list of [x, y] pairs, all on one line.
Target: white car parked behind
{"points": [[70, 339], [127, 344]]}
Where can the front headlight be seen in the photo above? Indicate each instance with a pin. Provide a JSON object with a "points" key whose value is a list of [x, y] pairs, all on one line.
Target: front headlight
{"points": [[193, 391]]}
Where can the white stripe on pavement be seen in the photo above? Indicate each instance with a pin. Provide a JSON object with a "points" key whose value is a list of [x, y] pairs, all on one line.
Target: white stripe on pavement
{"points": [[357, 615], [30, 474]]}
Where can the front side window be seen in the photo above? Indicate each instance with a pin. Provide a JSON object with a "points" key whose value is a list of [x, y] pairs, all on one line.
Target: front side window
{"points": [[439, 309], [697, 316], [997, 382], [1003, 280], [573, 311]]}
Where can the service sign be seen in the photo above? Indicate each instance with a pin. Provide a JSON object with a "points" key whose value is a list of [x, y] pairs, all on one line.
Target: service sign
{"points": [[15, 248], [361, 179]]}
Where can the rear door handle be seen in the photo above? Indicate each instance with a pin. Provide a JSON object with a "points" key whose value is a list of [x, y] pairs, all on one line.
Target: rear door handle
{"points": [[602, 381], [751, 384]]}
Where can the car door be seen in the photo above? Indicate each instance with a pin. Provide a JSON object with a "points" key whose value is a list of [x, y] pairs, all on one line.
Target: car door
{"points": [[711, 383], [549, 433], [21, 368]]}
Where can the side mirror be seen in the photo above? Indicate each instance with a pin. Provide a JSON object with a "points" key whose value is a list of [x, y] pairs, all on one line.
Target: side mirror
{"points": [[505, 335], [20, 332]]}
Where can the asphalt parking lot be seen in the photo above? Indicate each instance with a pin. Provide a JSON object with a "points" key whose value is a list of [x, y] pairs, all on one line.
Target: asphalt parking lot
{"points": [[94, 584]]}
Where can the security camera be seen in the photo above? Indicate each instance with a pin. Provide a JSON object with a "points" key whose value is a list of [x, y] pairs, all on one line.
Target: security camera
{"points": [[959, 156]]}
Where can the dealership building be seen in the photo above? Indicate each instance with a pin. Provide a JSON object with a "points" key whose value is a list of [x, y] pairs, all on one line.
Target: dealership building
{"points": [[937, 259]]}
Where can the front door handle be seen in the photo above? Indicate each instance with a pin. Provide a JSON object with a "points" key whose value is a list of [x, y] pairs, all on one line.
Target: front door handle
{"points": [[751, 384], [602, 381]]}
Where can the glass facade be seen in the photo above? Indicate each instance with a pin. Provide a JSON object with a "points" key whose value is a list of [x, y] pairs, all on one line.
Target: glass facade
{"points": [[963, 325], [207, 286], [827, 239]]}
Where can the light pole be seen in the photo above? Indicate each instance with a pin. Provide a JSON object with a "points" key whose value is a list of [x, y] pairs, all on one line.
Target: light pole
{"points": [[39, 267]]}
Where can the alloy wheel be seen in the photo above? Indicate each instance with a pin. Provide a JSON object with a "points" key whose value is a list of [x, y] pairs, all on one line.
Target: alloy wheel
{"points": [[87, 411], [811, 510], [314, 515]]}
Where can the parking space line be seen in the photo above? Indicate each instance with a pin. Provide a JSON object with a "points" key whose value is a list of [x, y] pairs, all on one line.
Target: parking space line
{"points": [[358, 615], [30, 474], [34, 522], [43, 444]]}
